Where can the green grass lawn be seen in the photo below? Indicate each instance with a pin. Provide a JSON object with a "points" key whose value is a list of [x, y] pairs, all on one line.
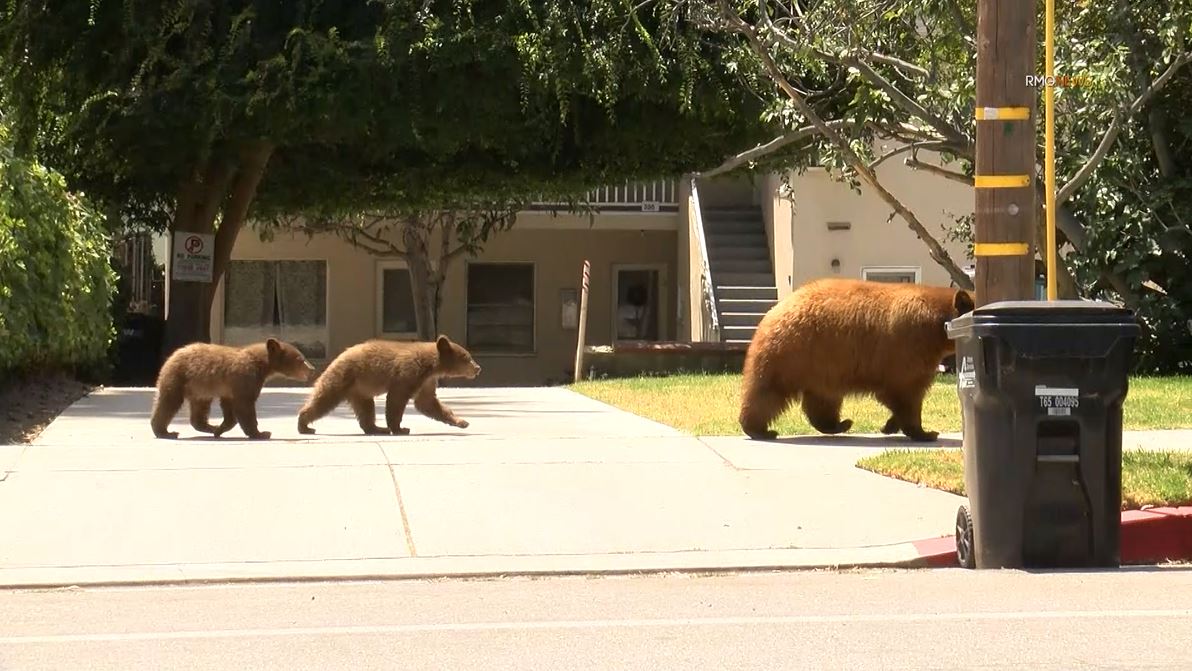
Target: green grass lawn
{"points": [[1148, 478], [707, 405]]}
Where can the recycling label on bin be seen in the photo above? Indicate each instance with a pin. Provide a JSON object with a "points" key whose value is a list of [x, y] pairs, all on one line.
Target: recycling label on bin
{"points": [[967, 378], [1058, 401]]}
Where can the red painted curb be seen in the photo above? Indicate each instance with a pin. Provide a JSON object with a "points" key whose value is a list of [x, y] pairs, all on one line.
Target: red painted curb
{"points": [[1149, 536], [937, 552], [1156, 535]]}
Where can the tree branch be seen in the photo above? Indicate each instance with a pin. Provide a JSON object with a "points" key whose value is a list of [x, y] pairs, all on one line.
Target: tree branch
{"points": [[187, 200], [899, 63], [352, 233], [768, 148], [1157, 121], [936, 251], [912, 147], [944, 128], [351, 236], [1115, 128], [904, 101], [454, 253], [937, 170], [216, 180], [966, 29], [253, 159]]}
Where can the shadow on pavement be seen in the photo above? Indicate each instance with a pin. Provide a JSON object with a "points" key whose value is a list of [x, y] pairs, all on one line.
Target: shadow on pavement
{"points": [[897, 441]]}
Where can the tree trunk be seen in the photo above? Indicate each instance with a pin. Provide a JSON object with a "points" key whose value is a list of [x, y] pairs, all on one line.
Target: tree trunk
{"points": [[422, 277], [200, 200], [1157, 121], [185, 323]]}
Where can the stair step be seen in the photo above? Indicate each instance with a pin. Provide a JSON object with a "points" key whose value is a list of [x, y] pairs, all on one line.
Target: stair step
{"points": [[757, 292], [751, 253], [761, 266], [750, 239], [743, 279], [734, 227], [732, 213], [737, 333], [752, 305], [751, 319]]}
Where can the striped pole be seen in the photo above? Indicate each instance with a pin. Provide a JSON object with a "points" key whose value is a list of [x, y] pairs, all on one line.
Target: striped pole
{"points": [[583, 322]]}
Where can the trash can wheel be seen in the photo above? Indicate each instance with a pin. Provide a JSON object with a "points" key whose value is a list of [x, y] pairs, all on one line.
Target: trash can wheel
{"points": [[964, 538]]}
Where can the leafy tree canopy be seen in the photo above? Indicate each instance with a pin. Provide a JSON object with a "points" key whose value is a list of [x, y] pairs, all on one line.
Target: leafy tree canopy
{"points": [[367, 102], [200, 114]]}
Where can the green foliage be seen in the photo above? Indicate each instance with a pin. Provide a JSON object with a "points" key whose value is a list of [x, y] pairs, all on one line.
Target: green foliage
{"points": [[55, 277], [1137, 206], [370, 105], [1136, 209]]}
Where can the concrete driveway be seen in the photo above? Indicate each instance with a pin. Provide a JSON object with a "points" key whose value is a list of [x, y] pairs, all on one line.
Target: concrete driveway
{"points": [[544, 480]]}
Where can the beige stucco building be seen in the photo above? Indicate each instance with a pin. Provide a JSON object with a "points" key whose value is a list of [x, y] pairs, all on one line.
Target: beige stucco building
{"points": [[661, 256]]}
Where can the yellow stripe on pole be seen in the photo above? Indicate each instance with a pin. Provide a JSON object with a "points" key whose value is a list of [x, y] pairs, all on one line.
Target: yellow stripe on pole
{"points": [[1001, 249], [1049, 154], [1000, 113], [1001, 181]]}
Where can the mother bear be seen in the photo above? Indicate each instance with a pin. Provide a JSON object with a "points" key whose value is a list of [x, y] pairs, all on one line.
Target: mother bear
{"points": [[835, 337]]}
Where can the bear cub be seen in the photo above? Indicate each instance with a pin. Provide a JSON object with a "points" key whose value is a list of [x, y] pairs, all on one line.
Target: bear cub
{"points": [[201, 372], [832, 338], [401, 370]]}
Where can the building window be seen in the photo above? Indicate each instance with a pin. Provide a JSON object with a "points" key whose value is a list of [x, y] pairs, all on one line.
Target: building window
{"points": [[395, 301], [638, 303], [282, 299], [896, 274], [500, 317]]}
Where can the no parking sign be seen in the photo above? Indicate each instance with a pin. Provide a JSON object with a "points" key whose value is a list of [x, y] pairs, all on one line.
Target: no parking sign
{"points": [[193, 257]]}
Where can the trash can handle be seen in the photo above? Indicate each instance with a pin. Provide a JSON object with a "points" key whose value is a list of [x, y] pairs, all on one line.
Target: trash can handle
{"points": [[987, 350]]}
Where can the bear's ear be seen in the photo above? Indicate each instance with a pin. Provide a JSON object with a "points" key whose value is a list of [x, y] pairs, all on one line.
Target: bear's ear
{"points": [[443, 344], [272, 346], [963, 302]]}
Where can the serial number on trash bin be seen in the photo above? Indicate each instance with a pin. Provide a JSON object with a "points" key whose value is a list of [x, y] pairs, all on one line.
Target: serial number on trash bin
{"points": [[1057, 400]]}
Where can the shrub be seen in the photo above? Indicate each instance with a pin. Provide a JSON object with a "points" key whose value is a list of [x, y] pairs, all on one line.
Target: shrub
{"points": [[56, 282]]}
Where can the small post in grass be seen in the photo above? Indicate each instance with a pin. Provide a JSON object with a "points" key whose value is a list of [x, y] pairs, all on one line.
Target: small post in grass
{"points": [[583, 323]]}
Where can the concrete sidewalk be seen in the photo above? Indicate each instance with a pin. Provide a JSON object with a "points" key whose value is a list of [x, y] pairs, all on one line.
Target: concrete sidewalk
{"points": [[543, 481]]}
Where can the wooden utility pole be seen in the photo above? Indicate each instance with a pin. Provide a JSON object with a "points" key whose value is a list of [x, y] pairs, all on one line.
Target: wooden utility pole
{"points": [[1004, 230]]}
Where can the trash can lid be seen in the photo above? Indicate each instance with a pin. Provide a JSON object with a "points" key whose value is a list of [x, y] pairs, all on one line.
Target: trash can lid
{"points": [[1068, 312], [1060, 307]]}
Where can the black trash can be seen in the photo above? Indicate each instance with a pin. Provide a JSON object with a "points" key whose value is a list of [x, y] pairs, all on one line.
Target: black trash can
{"points": [[139, 350], [1041, 386]]}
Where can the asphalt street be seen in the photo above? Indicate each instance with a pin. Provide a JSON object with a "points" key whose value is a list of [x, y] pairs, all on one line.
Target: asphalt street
{"points": [[884, 619]]}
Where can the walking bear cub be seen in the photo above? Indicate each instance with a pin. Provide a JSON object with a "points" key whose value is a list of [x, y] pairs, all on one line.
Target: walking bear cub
{"points": [[400, 370], [201, 372], [835, 337]]}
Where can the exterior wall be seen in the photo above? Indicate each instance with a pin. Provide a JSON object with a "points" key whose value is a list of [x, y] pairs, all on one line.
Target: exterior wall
{"points": [[694, 305], [871, 241], [777, 213], [556, 245], [687, 282], [734, 190]]}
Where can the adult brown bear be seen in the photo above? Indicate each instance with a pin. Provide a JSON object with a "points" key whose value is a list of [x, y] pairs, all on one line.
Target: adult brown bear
{"points": [[201, 372], [400, 370], [832, 338]]}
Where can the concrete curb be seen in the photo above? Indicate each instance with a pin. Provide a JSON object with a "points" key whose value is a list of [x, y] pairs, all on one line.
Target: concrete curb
{"points": [[1150, 536], [899, 555]]}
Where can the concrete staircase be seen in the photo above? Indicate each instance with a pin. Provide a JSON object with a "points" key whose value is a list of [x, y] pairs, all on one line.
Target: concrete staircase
{"points": [[742, 274]]}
